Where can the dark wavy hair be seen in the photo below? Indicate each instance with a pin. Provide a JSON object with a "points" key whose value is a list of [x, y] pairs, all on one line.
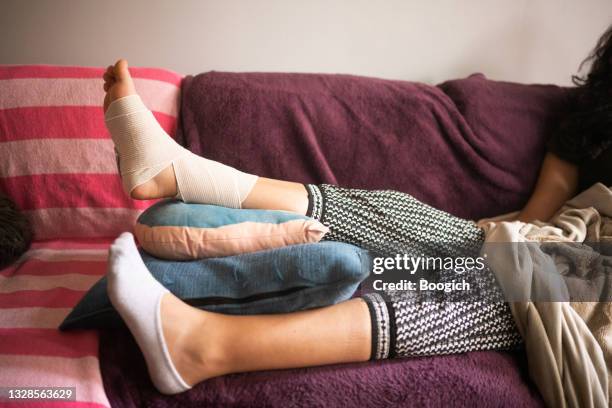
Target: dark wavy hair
{"points": [[588, 129], [15, 232]]}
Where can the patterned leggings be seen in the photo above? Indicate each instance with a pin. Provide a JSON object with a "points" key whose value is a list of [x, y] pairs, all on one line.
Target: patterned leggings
{"points": [[403, 325]]}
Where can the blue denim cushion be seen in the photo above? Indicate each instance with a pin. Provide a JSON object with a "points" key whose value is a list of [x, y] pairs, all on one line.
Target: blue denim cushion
{"points": [[280, 280]]}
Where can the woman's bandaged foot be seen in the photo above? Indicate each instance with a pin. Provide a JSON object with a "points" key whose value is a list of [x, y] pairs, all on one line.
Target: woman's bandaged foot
{"points": [[145, 149]]}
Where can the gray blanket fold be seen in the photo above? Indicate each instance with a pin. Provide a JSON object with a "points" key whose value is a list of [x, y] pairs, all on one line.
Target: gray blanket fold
{"points": [[568, 343]]}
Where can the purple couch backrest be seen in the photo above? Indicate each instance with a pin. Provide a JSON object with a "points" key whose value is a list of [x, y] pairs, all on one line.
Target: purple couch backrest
{"points": [[472, 146]]}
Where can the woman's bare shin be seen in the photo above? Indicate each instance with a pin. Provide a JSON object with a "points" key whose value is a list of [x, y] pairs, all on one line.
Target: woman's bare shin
{"points": [[330, 335], [270, 194], [336, 334]]}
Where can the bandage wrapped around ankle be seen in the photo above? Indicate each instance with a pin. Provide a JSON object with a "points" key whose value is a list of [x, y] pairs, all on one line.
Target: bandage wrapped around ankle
{"points": [[144, 149]]}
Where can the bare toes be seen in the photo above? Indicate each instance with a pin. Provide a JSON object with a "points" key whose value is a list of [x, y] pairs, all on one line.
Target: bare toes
{"points": [[121, 71], [117, 82]]}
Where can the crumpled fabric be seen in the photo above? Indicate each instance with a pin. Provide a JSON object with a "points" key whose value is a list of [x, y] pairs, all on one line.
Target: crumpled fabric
{"points": [[568, 343]]}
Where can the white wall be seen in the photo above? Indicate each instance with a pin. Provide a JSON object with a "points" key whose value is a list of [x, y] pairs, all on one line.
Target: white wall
{"points": [[426, 40]]}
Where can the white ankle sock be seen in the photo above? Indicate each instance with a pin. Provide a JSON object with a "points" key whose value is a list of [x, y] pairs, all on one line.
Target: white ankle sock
{"points": [[144, 150], [137, 296]]}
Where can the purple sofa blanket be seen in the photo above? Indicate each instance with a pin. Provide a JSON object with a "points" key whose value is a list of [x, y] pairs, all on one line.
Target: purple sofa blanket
{"points": [[472, 147]]}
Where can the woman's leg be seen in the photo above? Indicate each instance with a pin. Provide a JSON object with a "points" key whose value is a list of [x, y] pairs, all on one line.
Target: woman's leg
{"points": [[183, 345], [152, 165], [408, 323], [270, 194], [267, 194], [329, 335]]}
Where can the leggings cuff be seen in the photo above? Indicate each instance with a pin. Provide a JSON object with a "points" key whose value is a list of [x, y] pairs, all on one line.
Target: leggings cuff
{"points": [[383, 335], [315, 202]]}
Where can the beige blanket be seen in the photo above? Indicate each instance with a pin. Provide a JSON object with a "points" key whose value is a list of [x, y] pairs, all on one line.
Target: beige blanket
{"points": [[568, 344]]}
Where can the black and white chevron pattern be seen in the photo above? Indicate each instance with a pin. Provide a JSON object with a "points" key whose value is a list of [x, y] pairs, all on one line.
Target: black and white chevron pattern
{"points": [[391, 222]]}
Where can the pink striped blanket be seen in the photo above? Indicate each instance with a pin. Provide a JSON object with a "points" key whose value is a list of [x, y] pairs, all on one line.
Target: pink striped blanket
{"points": [[35, 296], [57, 163]]}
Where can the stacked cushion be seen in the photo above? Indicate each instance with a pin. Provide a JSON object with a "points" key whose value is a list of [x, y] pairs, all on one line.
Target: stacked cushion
{"points": [[287, 279], [58, 159], [172, 229]]}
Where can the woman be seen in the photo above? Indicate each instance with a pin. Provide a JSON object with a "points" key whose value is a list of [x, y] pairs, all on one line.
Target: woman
{"points": [[183, 345]]}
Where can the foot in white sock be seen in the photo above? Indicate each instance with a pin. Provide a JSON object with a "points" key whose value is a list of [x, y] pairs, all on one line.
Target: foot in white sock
{"points": [[145, 150], [137, 296]]}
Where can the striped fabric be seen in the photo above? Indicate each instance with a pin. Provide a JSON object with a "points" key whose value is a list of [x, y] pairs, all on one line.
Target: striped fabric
{"points": [[36, 294], [56, 158], [57, 163]]}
